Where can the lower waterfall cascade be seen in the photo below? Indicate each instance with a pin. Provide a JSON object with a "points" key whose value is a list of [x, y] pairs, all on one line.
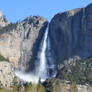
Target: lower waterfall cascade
{"points": [[45, 66]]}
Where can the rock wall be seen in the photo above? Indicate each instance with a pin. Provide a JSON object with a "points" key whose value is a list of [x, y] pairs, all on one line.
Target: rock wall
{"points": [[20, 41], [71, 34]]}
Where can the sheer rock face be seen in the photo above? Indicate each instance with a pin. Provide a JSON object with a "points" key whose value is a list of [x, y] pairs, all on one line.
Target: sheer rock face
{"points": [[71, 34], [20, 41]]}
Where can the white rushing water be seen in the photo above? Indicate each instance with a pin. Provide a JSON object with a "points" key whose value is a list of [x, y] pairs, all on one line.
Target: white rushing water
{"points": [[41, 70], [42, 55]]}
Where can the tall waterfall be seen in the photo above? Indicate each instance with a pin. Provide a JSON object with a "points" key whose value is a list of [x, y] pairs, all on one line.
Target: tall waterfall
{"points": [[43, 68]]}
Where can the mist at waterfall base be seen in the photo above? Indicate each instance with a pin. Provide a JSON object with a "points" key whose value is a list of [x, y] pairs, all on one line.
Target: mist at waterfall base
{"points": [[42, 71]]}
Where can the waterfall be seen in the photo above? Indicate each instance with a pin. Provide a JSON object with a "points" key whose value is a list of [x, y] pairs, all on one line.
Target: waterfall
{"points": [[42, 73], [44, 67]]}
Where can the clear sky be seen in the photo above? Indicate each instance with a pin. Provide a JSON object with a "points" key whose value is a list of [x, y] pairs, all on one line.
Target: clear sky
{"points": [[19, 9]]}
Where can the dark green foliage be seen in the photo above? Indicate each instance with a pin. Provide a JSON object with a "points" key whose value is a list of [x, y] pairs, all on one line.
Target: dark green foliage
{"points": [[40, 87], [88, 74], [29, 87], [50, 87], [3, 59], [0, 85], [80, 72], [16, 85]]}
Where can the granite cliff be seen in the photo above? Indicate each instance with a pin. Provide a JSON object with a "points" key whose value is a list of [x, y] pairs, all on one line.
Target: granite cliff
{"points": [[19, 44], [20, 41], [71, 34]]}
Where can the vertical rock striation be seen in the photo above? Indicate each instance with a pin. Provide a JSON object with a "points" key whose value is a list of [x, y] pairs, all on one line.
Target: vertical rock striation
{"points": [[71, 34], [19, 42]]}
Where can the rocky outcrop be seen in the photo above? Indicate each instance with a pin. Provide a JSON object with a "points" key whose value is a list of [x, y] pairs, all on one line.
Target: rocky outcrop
{"points": [[71, 34], [0, 13], [78, 70], [6, 74], [21, 41], [3, 21], [57, 85], [19, 44]]}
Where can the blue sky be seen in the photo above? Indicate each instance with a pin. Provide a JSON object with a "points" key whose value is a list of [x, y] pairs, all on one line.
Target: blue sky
{"points": [[20, 9]]}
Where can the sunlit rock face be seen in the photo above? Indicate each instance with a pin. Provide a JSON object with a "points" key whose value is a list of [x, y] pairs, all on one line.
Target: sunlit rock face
{"points": [[19, 42], [3, 21], [0, 13], [6, 74], [71, 34]]}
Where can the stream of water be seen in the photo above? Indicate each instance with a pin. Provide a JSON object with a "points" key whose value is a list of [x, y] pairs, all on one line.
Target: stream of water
{"points": [[43, 68]]}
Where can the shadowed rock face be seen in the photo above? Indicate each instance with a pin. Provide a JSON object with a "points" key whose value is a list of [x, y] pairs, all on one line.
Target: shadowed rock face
{"points": [[19, 42], [71, 34]]}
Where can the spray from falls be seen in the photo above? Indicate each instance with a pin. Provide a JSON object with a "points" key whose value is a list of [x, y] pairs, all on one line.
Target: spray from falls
{"points": [[43, 68]]}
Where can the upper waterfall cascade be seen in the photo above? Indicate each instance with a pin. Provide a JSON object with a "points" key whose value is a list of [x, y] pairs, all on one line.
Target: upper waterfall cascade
{"points": [[44, 68], [42, 73]]}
